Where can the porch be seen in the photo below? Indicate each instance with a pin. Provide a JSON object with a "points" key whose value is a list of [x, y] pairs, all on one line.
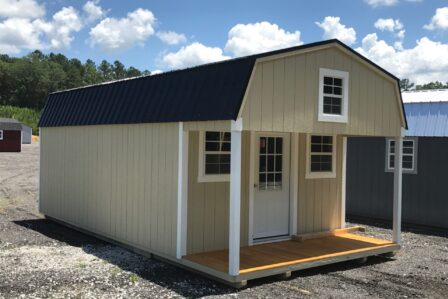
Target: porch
{"points": [[286, 256]]}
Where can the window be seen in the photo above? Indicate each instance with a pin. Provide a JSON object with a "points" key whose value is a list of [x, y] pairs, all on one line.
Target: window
{"points": [[409, 155], [214, 156], [333, 95], [1, 134], [321, 157], [270, 163]]}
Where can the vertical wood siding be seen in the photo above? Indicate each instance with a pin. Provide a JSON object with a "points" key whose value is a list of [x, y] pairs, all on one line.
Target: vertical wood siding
{"points": [[208, 204], [283, 96], [119, 181], [319, 201]]}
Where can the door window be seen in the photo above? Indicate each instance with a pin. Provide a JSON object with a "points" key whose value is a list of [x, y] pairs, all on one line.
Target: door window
{"points": [[270, 175]]}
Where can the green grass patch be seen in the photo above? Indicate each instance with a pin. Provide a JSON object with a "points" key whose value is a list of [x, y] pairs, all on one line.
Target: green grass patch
{"points": [[26, 116]]}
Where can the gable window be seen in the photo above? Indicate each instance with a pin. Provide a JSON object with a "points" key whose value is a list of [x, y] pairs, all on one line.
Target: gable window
{"points": [[1, 134], [409, 155], [321, 156], [214, 156], [333, 95]]}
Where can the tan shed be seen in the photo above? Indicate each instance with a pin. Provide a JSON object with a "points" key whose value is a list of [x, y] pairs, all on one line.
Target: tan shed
{"points": [[234, 169]]}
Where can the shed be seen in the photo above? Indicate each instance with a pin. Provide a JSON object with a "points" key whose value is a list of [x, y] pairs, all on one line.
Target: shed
{"points": [[27, 134], [234, 169], [425, 161], [10, 135]]}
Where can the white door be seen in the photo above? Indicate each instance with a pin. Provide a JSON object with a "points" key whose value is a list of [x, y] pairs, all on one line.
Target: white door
{"points": [[271, 194]]}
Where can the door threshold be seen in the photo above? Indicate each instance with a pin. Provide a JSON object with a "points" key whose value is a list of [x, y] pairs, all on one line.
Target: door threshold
{"points": [[271, 239]]}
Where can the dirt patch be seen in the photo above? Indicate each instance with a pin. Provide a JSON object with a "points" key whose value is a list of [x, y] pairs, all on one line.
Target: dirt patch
{"points": [[42, 259]]}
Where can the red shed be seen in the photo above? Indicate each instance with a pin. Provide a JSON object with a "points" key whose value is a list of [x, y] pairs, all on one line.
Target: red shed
{"points": [[10, 135]]}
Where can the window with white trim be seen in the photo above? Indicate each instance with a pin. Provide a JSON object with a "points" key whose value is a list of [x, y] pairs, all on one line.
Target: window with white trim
{"points": [[409, 155], [214, 156], [333, 95], [321, 156], [1, 134]]}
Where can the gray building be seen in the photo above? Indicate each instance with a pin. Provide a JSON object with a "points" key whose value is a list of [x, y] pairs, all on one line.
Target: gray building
{"points": [[27, 134], [370, 163]]}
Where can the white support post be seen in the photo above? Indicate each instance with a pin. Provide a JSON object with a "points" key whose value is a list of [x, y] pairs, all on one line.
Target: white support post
{"points": [[182, 193], [398, 176], [235, 198], [343, 181]]}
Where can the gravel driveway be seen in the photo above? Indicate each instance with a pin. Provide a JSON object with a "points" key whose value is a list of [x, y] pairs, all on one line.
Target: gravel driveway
{"points": [[40, 259]]}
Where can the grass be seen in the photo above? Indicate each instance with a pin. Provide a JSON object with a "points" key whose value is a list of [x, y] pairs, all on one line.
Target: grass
{"points": [[26, 116], [133, 278]]}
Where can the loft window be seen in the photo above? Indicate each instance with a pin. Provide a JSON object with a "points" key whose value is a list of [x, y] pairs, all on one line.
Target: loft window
{"points": [[321, 156], [409, 155], [214, 156], [333, 95]]}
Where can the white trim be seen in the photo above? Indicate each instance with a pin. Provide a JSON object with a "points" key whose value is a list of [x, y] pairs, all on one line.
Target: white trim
{"points": [[398, 177], [207, 178], [320, 175], [235, 198], [294, 182], [246, 93], [414, 155], [182, 193], [1, 134], [343, 180], [252, 153], [343, 118]]}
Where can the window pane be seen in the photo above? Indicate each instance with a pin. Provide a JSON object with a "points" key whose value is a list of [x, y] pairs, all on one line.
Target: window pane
{"points": [[328, 89], [407, 158], [316, 148], [270, 145], [328, 81], [211, 159], [279, 145], [212, 146], [315, 167], [212, 168], [391, 161], [225, 168], [408, 150], [262, 178], [227, 136], [271, 163], [407, 165], [316, 139], [337, 82], [408, 143], [337, 90], [278, 163], [327, 139], [263, 145], [225, 147], [211, 136], [270, 180], [262, 163], [278, 180], [327, 109]]}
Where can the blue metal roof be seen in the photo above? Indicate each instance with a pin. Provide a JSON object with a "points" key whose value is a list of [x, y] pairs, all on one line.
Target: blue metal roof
{"points": [[427, 119]]}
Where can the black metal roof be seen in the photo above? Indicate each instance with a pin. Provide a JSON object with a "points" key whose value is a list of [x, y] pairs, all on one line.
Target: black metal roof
{"points": [[207, 92]]}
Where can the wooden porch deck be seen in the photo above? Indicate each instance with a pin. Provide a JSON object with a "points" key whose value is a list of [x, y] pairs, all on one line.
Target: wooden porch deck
{"points": [[286, 256]]}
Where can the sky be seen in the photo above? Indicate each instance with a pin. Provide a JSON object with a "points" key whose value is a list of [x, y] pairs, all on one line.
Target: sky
{"points": [[409, 38]]}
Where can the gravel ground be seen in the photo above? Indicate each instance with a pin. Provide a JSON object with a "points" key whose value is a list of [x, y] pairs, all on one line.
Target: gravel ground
{"points": [[42, 259]]}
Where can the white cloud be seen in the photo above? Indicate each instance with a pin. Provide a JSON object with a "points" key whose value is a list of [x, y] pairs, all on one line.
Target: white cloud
{"points": [[421, 64], [113, 34], [334, 29], [21, 9], [246, 39], [65, 22], [155, 72], [17, 34], [171, 37], [439, 20], [93, 11], [376, 3], [388, 25], [191, 55]]}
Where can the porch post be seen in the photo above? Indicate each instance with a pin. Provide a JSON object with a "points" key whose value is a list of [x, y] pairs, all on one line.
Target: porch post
{"points": [[398, 173], [235, 197], [182, 193]]}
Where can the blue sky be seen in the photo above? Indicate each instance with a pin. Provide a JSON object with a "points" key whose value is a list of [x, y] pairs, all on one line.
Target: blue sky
{"points": [[407, 37]]}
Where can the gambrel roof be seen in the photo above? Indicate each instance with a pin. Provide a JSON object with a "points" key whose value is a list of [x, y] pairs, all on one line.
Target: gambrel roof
{"points": [[207, 92]]}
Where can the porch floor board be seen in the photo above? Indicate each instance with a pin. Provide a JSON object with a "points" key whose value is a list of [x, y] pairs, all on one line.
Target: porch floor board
{"points": [[286, 253]]}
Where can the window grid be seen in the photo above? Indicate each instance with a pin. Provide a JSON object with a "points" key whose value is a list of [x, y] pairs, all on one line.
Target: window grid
{"points": [[333, 95], [217, 153], [321, 152], [270, 163], [408, 154]]}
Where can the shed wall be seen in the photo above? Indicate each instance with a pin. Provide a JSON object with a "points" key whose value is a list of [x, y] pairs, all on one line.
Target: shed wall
{"points": [[283, 96], [370, 188], [27, 133], [118, 181], [11, 141]]}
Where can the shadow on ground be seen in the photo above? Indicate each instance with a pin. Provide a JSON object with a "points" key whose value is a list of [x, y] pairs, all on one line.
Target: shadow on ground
{"points": [[164, 274]]}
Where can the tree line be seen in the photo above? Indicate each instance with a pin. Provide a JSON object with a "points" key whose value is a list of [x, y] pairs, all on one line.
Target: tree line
{"points": [[406, 85], [27, 81]]}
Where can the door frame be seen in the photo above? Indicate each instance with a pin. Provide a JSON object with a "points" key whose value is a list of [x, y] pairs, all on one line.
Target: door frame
{"points": [[293, 184]]}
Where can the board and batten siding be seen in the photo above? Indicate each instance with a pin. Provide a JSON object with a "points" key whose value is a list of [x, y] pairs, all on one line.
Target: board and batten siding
{"points": [[208, 203], [319, 200], [118, 181], [283, 96]]}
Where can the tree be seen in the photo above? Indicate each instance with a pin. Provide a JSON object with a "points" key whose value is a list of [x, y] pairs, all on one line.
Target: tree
{"points": [[432, 85], [405, 84], [105, 70], [119, 70], [133, 72]]}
